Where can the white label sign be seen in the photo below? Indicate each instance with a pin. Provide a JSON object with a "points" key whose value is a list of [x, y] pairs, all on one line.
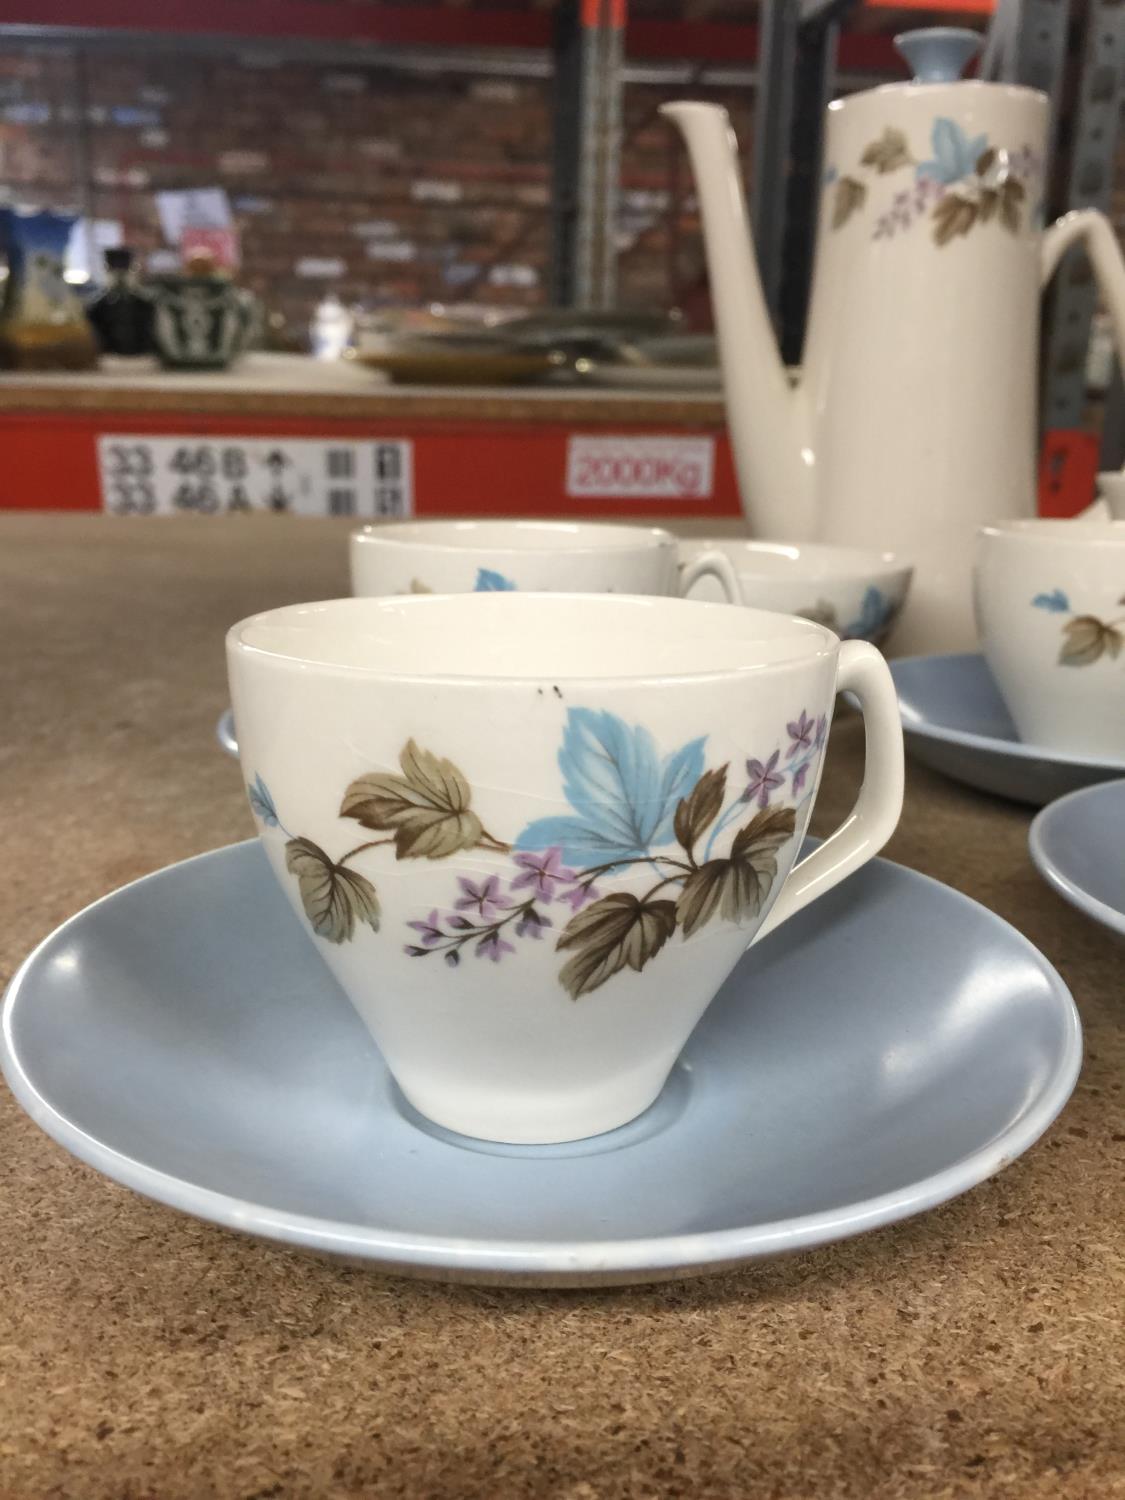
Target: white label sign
{"points": [[640, 468], [151, 476]]}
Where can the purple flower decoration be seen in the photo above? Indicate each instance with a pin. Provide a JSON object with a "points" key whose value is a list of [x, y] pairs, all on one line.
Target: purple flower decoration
{"points": [[763, 779], [494, 947], [532, 923], [483, 899], [578, 895], [821, 731], [801, 731], [430, 930], [542, 872], [799, 776]]}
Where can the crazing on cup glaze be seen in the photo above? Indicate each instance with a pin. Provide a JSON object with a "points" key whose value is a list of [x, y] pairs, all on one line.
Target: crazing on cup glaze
{"points": [[710, 839]]}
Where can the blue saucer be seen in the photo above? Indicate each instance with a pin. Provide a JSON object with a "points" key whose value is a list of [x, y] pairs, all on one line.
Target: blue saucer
{"points": [[1077, 846], [955, 721], [183, 1037]]}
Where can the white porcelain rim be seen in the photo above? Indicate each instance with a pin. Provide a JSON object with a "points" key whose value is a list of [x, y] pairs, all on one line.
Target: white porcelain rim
{"points": [[823, 642], [1057, 878]]}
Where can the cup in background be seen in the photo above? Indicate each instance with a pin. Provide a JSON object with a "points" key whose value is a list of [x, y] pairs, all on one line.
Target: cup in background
{"points": [[461, 557], [532, 835], [1050, 605], [857, 592]]}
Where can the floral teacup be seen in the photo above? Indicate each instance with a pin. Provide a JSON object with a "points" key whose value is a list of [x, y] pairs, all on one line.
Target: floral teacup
{"points": [[531, 834], [855, 591], [1050, 604], [462, 557]]}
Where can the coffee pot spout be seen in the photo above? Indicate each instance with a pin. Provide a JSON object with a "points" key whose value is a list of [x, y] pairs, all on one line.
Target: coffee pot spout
{"points": [[766, 413]]}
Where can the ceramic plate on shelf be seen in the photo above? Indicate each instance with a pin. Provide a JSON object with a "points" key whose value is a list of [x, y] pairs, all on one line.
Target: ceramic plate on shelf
{"points": [[649, 377], [1077, 846], [955, 721], [184, 1037], [460, 366]]}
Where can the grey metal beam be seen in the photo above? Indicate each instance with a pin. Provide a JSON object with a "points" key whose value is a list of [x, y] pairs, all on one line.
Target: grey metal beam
{"points": [[1093, 146], [773, 124], [599, 164]]}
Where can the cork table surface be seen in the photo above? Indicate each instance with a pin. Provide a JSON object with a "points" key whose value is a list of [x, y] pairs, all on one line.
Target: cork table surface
{"points": [[975, 1351]]}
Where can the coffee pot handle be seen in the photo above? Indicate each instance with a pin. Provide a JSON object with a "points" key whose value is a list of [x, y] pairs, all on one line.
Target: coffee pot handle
{"points": [[714, 564], [863, 672], [1096, 232]]}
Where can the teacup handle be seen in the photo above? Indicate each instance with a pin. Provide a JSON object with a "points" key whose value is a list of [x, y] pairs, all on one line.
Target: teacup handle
{"points": [[863, 672], [713, 564]]}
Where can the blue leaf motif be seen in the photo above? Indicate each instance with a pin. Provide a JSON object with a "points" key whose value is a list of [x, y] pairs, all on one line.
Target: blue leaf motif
{"points": [[873, 613], [489, 581], [623, 794], [1056, 602], [955, 154], [261, 803], [681, 770]]}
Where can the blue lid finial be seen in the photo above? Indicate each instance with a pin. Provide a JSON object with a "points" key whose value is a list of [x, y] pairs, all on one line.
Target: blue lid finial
{"points": [[939, 54]]}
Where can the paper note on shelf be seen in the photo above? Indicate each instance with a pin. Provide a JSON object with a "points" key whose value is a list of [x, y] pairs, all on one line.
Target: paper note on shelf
{"points": [[143, 475], [640, 468]]}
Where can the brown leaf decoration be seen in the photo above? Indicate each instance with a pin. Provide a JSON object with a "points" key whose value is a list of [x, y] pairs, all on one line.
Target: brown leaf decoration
{"points": [[989, 202], [699, 810], [426, 808], [614, 933], [953, 215], [1011, 196], [334, 897], [985, 160], [888, 153], [1085, 639], [703, 890], [737, 886], [850, 196]]}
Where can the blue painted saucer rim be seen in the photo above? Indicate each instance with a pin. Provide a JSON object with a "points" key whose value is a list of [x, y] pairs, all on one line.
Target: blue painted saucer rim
{"points": [[1038, 840], [928, 729], [552, 1262]]}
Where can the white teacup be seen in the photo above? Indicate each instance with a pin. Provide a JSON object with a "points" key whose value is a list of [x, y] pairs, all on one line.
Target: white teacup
{"points": [[1050, 606], [533, 834], [571, 557], [855, 591]]}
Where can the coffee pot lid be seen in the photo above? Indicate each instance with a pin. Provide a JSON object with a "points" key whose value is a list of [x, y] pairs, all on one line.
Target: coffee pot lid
{"points": [[939, 54]]}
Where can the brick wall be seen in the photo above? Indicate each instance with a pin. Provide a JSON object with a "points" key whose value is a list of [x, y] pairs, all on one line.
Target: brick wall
{"points": [[404, 188]]}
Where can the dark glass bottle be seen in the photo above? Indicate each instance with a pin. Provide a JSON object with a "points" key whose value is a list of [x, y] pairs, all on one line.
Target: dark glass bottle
{"points": [[122, 314]]}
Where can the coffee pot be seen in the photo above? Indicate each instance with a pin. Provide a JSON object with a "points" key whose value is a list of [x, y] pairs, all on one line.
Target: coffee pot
{"points": [[913, 419]]}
